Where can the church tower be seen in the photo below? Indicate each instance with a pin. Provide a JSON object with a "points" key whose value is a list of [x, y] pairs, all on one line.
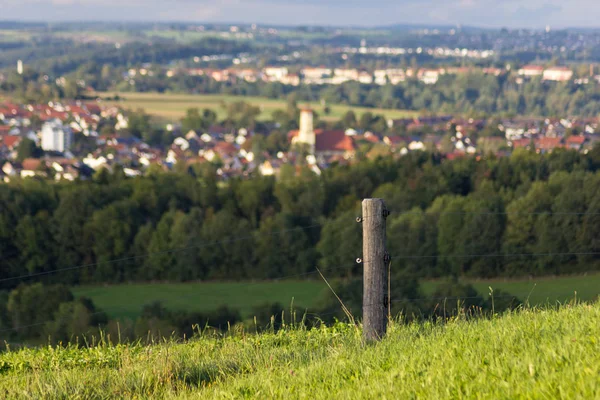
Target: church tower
{"points": [[306, 133]]}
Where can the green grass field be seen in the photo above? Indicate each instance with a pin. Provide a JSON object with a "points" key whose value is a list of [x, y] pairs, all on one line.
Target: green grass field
{"points": [[173, 106], [13, 35], [191, 36], [540, 290], [97, 36], [126, 301], [529, 354]]}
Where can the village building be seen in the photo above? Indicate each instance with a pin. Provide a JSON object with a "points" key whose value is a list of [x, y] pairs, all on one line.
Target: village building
{"points": [[547, 144], [575, 142], [391, 75], [380, 77], [320, 142], [9, 143], [274, 74], [531, 70], [492, 71], [557, 74], [291, 79], [56, 136], [316, 75], [350, 74], [430, 76]]}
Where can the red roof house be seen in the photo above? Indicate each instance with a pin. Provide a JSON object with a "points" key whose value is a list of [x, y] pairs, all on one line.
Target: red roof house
{"points": [[31, 164], [575, 141], [11, 142], [545, 144], [331, 142]]}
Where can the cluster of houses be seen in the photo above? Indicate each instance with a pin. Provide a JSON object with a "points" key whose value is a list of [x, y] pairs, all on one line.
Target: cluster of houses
{"points": [[322, 75], [540, 134], [556, 74], [547, 134], [437, 52], [51, 127], [335, 76], [57, 128], [454, 137]]}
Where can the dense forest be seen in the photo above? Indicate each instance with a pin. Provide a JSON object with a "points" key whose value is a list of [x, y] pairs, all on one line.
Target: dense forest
{"points": [[527, 214], [187, 225]]}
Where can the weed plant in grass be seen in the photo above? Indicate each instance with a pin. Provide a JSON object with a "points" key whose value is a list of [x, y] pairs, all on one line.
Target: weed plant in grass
{"points": [[539, 353]]}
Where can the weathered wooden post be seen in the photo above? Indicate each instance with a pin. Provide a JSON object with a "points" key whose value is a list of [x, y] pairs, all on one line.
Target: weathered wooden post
{"points": [[375, 279]]}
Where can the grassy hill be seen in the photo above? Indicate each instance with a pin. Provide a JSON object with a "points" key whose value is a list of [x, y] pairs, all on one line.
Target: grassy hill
{"points": [[526, 354]]}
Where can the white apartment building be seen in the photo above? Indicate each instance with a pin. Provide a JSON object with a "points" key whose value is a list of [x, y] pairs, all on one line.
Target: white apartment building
{"points": [[275, 73], [56, 136], [558, 74], [316, 75]]}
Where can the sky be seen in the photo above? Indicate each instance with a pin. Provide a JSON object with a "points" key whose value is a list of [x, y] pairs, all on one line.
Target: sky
{"points": [[484, 13]]}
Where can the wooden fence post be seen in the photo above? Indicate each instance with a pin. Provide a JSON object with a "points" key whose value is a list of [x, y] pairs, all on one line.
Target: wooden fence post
{"points": [[375, 279]]}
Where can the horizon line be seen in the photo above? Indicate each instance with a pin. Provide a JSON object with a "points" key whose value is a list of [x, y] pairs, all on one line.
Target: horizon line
{"points": [[398, 25]]}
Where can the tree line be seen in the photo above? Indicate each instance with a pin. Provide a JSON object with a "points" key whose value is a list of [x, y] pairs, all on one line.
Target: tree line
{"points": [[527, 214], [188, 225], [37, 314]]}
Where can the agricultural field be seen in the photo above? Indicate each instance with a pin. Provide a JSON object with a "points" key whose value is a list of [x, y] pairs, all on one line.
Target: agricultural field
{"points": [[539, 290], [96, 36], [171, 106], [126, 301], [14, 35], [543, 353], [190, 36]]}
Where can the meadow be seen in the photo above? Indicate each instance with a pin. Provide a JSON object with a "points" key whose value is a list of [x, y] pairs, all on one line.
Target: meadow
{"points": [[530, 353], [172, 106], [127, 300], [539, 290], [11, 35]]}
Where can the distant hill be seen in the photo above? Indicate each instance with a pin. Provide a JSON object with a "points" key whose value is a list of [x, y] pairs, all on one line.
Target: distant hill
{"points": [[442, 28]]}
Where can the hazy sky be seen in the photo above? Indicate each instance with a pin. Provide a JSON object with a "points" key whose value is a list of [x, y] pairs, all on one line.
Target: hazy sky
{"points": [[489, 13]]}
